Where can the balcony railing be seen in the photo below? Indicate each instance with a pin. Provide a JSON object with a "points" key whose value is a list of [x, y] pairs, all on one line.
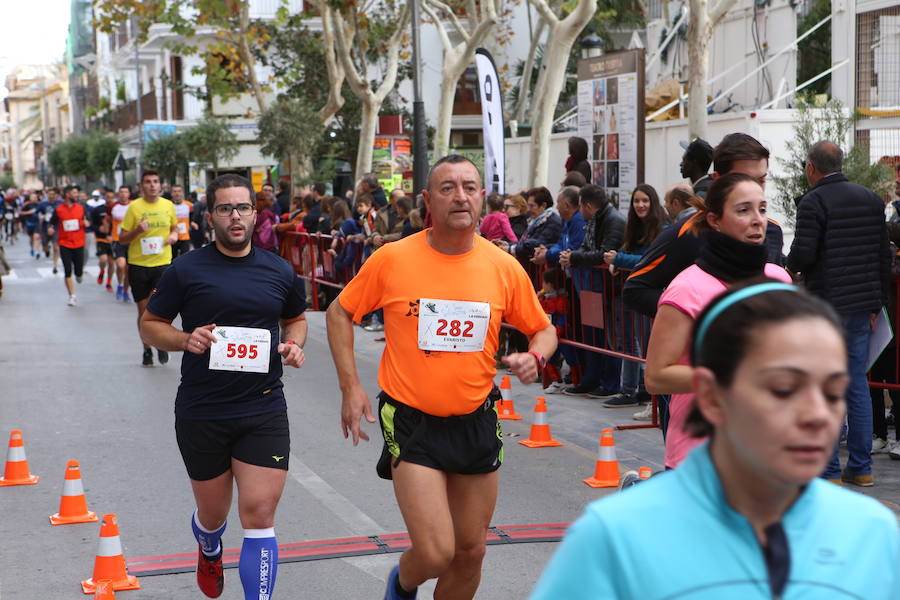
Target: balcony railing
{"points": [[125, 116]]}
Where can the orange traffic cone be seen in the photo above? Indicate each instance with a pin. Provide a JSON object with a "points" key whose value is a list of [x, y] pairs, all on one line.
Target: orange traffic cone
{"points": [[507, 409], [104, 590], [16, 472], [606, 471], [72, 504], [645, 472], [540, 429], [110, 562]]}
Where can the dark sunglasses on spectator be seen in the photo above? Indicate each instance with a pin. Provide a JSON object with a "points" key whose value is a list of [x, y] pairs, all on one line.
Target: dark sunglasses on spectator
{"points": [[245, 209]]}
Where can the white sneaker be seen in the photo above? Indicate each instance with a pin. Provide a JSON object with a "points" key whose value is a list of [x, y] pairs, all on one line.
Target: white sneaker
{"points": [[556, 387], [894, 450], [644, 415], [71, 301], [880, 446]]}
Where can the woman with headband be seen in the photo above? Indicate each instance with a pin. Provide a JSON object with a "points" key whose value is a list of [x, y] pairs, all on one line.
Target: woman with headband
{"points": [[733, 223], [745, 515]]}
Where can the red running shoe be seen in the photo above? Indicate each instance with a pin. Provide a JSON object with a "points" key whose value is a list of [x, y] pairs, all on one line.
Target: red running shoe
{"points": [[108, 287], [210, 576], [100, 278]]}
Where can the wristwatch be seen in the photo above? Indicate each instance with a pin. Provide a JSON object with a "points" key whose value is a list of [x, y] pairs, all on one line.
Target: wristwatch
{"points": [[542, 362]]}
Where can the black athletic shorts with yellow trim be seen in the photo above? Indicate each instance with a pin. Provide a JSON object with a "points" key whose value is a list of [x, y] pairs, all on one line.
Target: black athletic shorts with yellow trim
{"points": [[466, 444], [207, 446]]}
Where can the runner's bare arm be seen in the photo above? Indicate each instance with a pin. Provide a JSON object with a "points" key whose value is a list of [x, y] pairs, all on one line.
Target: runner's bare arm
{"points": [[126, 236], [355, 404], [173, 236], [293, 332], [159, 333], [523, 364], [669, 336]]}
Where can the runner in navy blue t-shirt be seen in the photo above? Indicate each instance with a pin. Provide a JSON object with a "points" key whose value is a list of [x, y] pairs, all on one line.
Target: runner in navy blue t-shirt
{"points": [[242, 311]]}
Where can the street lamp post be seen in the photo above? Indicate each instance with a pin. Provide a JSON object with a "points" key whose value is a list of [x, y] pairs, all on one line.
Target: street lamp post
{"points": [[591, 46], [420, 141]]}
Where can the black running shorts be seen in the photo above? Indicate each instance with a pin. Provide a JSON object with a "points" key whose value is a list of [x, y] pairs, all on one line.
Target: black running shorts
{"points": [[72, 259], [104, 248], [466, 444], [120, 250], [207, 446], [181, 247], [143, 280]]}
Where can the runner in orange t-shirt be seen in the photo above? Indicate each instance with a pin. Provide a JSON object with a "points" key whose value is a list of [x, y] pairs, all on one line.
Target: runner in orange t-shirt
{"points": [[183, 216], [69, 219], [444, 293]]}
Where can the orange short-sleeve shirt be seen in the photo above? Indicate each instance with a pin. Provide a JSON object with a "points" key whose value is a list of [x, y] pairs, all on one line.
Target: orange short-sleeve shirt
{"points": [[398, 275]]}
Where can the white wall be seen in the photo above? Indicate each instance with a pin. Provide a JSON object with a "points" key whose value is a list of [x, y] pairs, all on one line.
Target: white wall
{"points": [[732, 44]]}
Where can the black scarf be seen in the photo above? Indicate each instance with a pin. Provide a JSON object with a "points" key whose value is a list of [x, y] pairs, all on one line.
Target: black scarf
{"points": [[731, 260]]}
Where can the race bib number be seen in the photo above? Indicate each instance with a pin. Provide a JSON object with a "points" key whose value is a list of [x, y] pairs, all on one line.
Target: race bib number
{"points": [[70, 225], [182, 228], [10, 216], [151, 245], [244, 349], [118, 229], [453, 325]]}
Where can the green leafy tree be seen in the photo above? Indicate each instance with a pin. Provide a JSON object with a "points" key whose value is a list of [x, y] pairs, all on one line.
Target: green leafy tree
{"points": [[7, 181], [168, 154], [102, 151], [286, 128], [211, 142], [814, 53], [75, 156], [56, 158], [833, 123], [230, 62]]}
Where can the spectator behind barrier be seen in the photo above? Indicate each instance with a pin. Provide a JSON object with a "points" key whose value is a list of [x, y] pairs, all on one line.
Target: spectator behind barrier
{"points": [[574, 178], [698, 155], [578, 158], [516, 209], [674, 250], [264, 235], [604, 230], [495, 225], [841, 249], [388, 224], [544, 227], [745, 516], [646, 219], [294, 219], [734, 222], [573, 228]]}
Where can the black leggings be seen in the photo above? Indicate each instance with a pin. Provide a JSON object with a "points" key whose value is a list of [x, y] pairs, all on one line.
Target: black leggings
{"points": [[72, 257]]}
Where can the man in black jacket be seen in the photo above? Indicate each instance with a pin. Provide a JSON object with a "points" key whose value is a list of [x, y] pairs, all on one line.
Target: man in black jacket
{"points": [[604, 231], [841, 249]]}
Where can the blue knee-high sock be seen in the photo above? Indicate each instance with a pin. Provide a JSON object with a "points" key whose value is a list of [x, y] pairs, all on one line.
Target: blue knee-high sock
{"points": [[210, 541], [259, 563]]}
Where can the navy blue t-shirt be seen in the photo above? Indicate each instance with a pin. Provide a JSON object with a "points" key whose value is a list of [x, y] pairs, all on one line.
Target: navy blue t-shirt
{"points": [[256, 290]]}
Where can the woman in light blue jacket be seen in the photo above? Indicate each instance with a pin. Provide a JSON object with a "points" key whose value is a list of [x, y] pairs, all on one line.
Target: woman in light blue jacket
{"points": [[746, 515]]}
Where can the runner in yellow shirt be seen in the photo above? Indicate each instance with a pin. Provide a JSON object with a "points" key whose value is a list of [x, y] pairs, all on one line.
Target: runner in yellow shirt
{"points": [[150, 228], [120, 250]]}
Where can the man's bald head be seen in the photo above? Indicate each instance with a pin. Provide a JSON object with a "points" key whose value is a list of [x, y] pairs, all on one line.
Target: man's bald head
{"points": [[827, 157]]}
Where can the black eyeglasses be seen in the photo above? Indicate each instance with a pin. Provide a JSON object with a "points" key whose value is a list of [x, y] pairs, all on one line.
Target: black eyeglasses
{"points": [[245, 209]]}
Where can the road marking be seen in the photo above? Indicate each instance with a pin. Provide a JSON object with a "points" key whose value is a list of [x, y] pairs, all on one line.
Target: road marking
{"points": [[356, 520]]}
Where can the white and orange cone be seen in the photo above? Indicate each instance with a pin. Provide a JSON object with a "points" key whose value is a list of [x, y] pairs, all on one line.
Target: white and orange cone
{"points": [[507, 409], [110, 562], [16, 472], [540, 429], [72, 504], [606, 470], [645, 472], [104, 590]]}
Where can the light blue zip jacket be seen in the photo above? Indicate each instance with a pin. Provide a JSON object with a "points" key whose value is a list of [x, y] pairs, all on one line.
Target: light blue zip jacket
{"points": [[676, 537]]}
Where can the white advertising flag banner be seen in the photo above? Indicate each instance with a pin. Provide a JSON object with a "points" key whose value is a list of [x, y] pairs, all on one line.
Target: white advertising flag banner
{"points": [[492, 122]]}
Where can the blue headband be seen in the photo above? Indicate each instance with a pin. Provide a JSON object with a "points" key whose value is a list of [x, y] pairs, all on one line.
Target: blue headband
{"points": [[734, 298]]}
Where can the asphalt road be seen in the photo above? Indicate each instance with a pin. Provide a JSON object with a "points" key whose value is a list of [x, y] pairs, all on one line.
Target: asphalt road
{"points": [[72, 381]]}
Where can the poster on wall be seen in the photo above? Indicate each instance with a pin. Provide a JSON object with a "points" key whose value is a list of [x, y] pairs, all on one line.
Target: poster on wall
{"points": [[392, 162], [611, 119]]}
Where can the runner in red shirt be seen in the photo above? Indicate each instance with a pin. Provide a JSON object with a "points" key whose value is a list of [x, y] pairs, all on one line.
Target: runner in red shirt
{"points": [[71, 222]]}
